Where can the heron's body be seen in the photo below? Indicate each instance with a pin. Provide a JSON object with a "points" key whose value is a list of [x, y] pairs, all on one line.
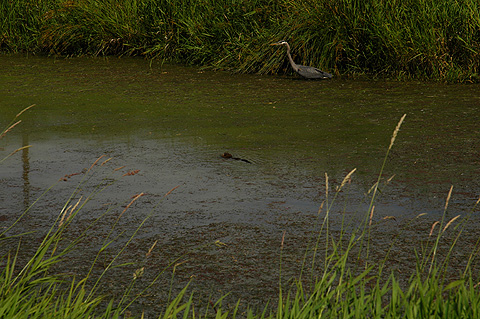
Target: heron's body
{"points": [[308, 72]]}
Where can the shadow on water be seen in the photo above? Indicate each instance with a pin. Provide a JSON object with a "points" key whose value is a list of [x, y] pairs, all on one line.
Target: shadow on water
{"points": [[172, 123]]}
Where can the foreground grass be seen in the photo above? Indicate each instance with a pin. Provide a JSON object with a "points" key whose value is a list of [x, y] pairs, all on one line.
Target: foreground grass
{"points": [[425, 39], [347, 286]]}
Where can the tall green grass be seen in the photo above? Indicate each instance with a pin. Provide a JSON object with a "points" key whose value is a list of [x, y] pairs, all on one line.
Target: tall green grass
{"points": [[349, 284], [425, 39]]}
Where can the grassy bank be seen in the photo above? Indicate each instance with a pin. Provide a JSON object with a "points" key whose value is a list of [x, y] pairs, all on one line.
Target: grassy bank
{"points": [[424, 39]]}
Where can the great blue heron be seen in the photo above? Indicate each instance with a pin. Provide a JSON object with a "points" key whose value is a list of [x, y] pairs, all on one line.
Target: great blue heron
{"points": [[308, 72]]}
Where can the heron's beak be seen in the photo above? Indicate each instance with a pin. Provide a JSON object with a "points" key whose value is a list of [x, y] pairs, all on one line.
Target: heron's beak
{"points": [[274, 43]]}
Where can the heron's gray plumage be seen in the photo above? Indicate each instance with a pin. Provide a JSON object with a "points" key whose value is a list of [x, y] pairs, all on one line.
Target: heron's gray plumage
{"points": [[305, 71]]}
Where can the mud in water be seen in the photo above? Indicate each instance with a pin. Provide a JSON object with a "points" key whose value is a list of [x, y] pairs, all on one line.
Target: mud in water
{"points": [[169, 126]]}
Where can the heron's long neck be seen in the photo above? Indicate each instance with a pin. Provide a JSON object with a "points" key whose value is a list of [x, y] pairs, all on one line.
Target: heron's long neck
{"points": [[294, 66]]}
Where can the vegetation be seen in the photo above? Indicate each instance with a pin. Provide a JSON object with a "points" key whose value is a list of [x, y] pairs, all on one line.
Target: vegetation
{"points": [[347, 287], [423, 39]]}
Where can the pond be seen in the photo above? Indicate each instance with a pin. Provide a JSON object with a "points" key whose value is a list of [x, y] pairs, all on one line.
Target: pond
{"points": [[168, 126]]}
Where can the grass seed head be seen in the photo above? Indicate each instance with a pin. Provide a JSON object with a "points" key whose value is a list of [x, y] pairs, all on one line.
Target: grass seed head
{"points": [[395, 132], [326, 184], [95, 163], [371, 216], [433, 227], [347, 178], [450, 222], [24, 110], [448, 197], [151, 249]]}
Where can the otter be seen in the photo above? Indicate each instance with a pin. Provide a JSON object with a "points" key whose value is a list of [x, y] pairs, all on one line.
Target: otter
{"points": [[228, 155]]}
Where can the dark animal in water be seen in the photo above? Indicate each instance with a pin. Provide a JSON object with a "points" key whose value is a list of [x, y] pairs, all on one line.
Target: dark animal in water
{"points": [[228, 155]]}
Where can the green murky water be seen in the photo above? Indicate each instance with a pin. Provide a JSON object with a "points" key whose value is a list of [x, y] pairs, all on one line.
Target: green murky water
{"points": [[172, 123]]}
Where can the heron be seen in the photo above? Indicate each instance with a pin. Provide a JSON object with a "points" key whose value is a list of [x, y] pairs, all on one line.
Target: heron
{"points": [[308, 72]]}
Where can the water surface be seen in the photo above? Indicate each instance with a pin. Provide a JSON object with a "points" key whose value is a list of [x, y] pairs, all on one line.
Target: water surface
{"points": [[172, 123]]}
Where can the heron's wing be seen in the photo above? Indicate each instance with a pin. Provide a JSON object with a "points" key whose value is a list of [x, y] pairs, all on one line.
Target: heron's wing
{"points": [[313, 73]]}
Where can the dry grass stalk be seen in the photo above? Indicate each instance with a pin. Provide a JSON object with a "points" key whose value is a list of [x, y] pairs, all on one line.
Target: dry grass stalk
{"points": [[151, 249], [448, 197], [389, 217], [118, 168], [394, 135], [433, 227], [95, 163], [106, 161], [347, 178], [19, 149], [450, 222], [170, 191], [63, 216], [66, 177], [283, 239], [16, 123], [218, 243], [24, 110], [138, 273], [131, 202], [70, 209], [372, 188], [131, 173], [371, 216], [10, 128], [179, 264], [326, 185], [74, 207], [321, 207]]}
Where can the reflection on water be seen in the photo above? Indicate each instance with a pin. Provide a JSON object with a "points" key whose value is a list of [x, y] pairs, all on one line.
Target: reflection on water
{"points": [[172, 124], [26, 170]]}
